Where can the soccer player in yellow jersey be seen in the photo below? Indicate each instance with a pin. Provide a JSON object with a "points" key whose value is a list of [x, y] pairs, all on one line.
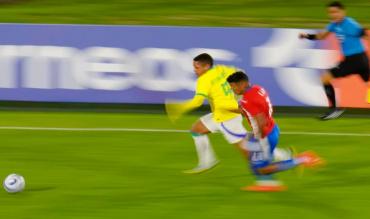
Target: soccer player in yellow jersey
{"points": [[225, 116], [212, 85]]}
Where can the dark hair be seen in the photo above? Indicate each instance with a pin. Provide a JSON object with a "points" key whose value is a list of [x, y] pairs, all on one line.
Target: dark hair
{"points": [[204, 58], [237, 77], [336, 4]]}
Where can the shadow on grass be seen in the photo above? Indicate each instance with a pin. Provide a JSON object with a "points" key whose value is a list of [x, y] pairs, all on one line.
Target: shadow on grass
{"points": [[40, 189]]}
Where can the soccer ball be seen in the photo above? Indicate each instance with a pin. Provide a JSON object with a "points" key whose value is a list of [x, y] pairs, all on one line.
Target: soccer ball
{"points": [[14, 183]]}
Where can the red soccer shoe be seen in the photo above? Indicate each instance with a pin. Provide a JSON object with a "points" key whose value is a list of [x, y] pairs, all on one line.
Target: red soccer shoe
{"points": [[265, 186], [310, 159]]}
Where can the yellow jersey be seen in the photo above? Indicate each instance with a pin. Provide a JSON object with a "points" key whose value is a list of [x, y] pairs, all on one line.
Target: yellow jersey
{"points": [[214, 87]]}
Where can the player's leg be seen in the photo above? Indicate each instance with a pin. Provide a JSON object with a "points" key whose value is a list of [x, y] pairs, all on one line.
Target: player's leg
{"points": [[265, 172], [326, 79], [281, 154], [364, 68], [199, 132], [206, 155], [364, 72], [266, 182], [261, 156], [235, 133], [308, 159], [355, 64]]}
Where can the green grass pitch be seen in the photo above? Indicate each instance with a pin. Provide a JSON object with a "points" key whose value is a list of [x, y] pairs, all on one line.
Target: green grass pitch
{"points": [[235, 13], [120, 174]]}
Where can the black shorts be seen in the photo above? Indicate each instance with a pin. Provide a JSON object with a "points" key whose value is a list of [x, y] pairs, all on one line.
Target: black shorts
{"points": [[354, 64]]}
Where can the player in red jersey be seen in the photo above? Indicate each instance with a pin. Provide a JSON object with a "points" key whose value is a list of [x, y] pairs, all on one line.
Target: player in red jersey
{"points": [[256, 107]]}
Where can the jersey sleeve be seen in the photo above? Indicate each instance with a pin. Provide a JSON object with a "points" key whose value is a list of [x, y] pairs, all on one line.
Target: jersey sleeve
{"points": [[330, 27], [191, 104], [176, 110], [354, 28], [203, 87]]}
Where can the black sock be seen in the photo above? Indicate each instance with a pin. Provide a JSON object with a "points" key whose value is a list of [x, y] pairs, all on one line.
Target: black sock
{"points": [[329, 90]]}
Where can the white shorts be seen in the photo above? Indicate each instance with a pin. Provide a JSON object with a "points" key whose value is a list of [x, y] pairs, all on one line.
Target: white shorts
{"points": [[233, 129]]}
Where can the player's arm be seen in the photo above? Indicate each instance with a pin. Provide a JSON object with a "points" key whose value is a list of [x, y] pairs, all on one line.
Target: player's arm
{"points": [[194, 103], [176, 110], [319, 36], [364, 34], [251, 107], [261, 125]]}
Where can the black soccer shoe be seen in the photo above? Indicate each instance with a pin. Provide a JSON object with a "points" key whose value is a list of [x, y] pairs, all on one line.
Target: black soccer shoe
{"points": [[332, 114]]}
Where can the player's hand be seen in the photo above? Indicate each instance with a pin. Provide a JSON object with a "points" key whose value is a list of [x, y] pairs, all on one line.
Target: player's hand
{"points": [[303, 36]]}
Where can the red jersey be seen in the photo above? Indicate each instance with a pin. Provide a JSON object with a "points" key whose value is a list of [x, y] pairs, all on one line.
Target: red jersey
{"points": [[255, 100]]}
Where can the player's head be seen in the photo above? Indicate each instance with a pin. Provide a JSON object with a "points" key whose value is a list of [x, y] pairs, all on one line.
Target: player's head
{"points": [[202, 63], [336, 11], [239, 82]]}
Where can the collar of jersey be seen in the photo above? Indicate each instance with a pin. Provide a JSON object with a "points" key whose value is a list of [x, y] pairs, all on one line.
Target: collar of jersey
{"points": [[208, 71], [344, 19]]}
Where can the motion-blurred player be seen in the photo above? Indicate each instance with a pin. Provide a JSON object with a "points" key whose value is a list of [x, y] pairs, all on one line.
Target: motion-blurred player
{"points": [[212, 85], [256, 107], [349, 33]]}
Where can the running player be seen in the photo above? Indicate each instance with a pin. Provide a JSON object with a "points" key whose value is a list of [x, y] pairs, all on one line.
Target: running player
{"points": [[212, 85], [256, 107], [349, 33]]}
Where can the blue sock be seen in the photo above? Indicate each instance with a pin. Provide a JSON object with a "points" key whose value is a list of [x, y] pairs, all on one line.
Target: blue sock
{"points": [[278, 166]]}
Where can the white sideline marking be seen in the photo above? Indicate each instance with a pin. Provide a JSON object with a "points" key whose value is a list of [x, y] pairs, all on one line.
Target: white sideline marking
{"points": [[162, 130]]}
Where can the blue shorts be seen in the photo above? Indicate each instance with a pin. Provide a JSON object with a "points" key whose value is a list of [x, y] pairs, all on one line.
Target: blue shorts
{"points": [[261, 151]]}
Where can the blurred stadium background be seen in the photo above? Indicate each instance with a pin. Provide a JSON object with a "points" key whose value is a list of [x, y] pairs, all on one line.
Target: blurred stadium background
{"points": [[119, 160]]}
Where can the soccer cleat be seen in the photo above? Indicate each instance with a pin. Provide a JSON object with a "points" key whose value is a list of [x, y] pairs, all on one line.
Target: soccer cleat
{"points": [[310, 159], [265, 186], [202, 168], [332, 114]]}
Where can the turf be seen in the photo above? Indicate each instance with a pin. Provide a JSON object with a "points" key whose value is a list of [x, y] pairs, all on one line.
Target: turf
{"points": [[117, 174], [246, 13]]}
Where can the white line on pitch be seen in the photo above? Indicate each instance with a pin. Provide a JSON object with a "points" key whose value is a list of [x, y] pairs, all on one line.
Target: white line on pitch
{"points": [[163, 130]]}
